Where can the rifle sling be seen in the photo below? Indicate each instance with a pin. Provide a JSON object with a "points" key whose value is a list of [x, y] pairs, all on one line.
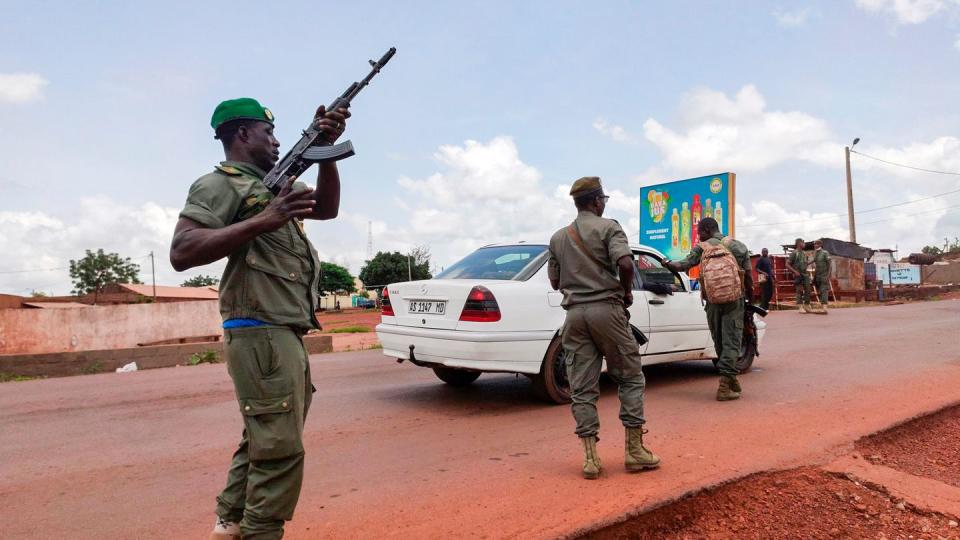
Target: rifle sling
{"points": [[575, 236]]}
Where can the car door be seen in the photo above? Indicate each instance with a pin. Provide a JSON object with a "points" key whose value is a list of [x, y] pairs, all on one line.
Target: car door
{"points": [[678, 327]]}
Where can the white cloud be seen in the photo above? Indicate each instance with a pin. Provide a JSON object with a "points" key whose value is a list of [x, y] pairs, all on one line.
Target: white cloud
{"points": [[794, 18], [738, 134], [615, 132], [956, 43], [21, 87], [36, 240], [907, 11]]}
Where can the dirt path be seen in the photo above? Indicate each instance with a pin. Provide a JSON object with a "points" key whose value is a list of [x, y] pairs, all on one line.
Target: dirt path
{"points": [[391, 452]]}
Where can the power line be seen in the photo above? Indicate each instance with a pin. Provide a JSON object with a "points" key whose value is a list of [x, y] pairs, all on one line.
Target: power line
{"points": [[834, 216], [947, 209], [852, 151]]}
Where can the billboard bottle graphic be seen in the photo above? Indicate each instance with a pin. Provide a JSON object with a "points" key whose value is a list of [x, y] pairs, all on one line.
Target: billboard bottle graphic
{"points": [[718, 215], [697, 211], [685, 228], [708, 210], [675, 230]]}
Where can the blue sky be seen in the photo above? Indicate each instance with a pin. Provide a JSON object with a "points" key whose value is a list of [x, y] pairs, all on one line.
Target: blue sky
{"points": [[106, 110]]}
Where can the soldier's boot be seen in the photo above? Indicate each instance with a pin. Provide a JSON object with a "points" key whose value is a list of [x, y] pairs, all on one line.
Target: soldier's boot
{"points": [[808, 307], [735, 384], [823, 309], [591, 461], [638, 457], [225, 530], [725, 391]]}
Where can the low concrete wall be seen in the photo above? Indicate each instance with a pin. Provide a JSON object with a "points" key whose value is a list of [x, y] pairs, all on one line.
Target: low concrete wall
{"points": [[104, 327], [63, 364]]}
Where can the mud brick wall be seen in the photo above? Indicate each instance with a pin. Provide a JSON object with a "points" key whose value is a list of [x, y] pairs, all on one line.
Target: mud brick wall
{"points": [[64, 364]]}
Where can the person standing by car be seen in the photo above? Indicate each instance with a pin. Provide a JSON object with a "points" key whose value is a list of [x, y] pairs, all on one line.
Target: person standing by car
{"points": [[797, 263], [724, 319], [268, 298], [592, 265], [765, 276], [821, 276]]}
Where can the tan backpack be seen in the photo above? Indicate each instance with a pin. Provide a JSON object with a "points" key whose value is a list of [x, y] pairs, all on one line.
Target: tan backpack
{"points": [[721, 278]]}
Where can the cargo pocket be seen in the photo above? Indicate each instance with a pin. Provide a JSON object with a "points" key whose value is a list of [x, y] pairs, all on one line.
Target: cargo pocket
{"points": [[272, 427]]}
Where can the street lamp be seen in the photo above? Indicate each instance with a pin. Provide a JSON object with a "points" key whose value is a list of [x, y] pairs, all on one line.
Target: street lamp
{"points": [[853, 228]]}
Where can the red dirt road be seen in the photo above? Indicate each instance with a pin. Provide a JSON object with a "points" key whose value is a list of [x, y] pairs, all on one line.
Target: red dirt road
{"points": [[392, 452]]}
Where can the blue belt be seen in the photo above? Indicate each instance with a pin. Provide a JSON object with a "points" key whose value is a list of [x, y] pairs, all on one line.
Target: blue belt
{"points": [[242, 323]]}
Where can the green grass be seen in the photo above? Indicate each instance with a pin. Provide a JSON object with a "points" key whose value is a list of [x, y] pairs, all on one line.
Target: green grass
{"points": [[206, 357], [355, 329], [10, 377], [90, 369], [375, 346]]}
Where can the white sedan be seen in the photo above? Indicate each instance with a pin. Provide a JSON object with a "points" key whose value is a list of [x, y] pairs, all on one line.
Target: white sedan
{"points": [[494, 311]]}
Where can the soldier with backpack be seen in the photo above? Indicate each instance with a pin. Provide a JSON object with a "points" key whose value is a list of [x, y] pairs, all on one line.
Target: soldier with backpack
{"points": [[724, 280]]}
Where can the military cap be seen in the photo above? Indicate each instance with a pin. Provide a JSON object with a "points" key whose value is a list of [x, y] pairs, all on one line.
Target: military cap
{"points": [[240, 109], [588, 185]]}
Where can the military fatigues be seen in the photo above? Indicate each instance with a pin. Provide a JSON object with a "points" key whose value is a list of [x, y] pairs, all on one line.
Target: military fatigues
{"points": [[272, 279], [725, 320], [821, 275], [799, 261], [596, 326]]}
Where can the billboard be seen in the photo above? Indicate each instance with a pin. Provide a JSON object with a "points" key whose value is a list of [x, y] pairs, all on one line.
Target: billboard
{"points": [[670, 212], [898, 273]]}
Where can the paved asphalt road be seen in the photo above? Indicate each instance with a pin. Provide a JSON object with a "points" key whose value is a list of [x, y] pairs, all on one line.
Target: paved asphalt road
{"points": [[392, 452]]}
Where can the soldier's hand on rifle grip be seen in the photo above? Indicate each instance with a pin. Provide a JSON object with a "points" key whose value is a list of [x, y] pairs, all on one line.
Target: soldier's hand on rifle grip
{"points": [[287, 205], [332, 123]]}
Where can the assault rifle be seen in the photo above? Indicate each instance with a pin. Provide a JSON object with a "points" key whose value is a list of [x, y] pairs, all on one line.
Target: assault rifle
{"points": [[313, 146]]}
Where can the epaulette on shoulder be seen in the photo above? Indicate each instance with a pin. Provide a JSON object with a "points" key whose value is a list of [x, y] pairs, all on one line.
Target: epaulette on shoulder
{"points": [[228, 170]]}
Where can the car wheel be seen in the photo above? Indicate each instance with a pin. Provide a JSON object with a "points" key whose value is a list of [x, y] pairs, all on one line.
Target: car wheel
{"points": [[456, 377], [747, 353], [551, 383]]}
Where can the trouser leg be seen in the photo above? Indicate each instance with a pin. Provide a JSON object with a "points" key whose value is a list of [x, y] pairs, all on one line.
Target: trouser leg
{"points": [[823, 288], [584, 364], [269, 369], [232, 500], [767, 294], [726, 329], [610, 330]]}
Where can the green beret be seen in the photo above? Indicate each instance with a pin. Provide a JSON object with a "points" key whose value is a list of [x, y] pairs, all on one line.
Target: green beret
{"points": [[240, 109], [586, 186]]}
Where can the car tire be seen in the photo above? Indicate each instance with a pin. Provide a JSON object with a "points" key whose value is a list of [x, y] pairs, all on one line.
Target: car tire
{"points": [[745, 361], [456, 377], [551, 383]]}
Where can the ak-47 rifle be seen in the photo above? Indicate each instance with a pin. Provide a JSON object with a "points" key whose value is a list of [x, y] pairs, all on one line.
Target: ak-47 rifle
{"points": [[313, 146]]}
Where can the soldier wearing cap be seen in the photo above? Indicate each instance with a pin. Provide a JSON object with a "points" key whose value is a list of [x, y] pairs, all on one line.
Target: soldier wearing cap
{"points": [[821, 276], [268, 296], [797, 264], [592, 264]]}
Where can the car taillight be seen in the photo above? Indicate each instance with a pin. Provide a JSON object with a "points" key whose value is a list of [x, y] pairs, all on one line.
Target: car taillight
{"points": [[386, 309], [481, 306]]}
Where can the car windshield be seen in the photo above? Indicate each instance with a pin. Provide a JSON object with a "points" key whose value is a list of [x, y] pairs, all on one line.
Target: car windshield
{"points": [[501, 262]]}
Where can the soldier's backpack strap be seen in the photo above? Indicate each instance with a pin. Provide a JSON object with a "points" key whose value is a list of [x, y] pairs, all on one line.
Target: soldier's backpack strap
{"points": [[575, 236]]}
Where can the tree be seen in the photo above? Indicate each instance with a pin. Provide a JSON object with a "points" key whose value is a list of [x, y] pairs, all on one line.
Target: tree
{"points": [[38, 294], [334, 279], [385, 268], [95, 270], [932, 250], [200, 281]]}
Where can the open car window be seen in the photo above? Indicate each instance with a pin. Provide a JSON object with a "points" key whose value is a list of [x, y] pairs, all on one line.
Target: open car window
{"points": [[651, 270]]}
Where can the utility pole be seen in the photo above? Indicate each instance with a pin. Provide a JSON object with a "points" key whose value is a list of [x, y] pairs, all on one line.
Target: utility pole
{"points": [[853, 227], [409, 271], [153, 275], [369, 240]]}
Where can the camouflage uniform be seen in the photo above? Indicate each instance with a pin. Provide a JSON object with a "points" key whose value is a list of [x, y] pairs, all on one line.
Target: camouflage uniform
{"points": [[821, 276], [272, 279], [725, 320], [798, 260]]}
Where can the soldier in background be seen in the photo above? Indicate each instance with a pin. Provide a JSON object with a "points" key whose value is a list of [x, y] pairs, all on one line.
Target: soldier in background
{"points": [[797, 264], [821, 276], [592, 264]]}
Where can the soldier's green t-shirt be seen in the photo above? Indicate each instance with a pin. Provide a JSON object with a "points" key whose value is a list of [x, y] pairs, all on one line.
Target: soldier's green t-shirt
{"points": [[272, 278], [582, 280], [736, 247], [821, 263]]}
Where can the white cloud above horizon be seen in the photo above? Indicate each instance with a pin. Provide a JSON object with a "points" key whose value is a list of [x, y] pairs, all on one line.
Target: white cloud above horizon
{"points": [[794, 18], [18, 88], [614, 132], [908, 11]]}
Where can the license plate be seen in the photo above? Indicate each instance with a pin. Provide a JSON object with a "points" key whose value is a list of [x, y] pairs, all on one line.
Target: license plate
{"points": [[429, 308]]}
